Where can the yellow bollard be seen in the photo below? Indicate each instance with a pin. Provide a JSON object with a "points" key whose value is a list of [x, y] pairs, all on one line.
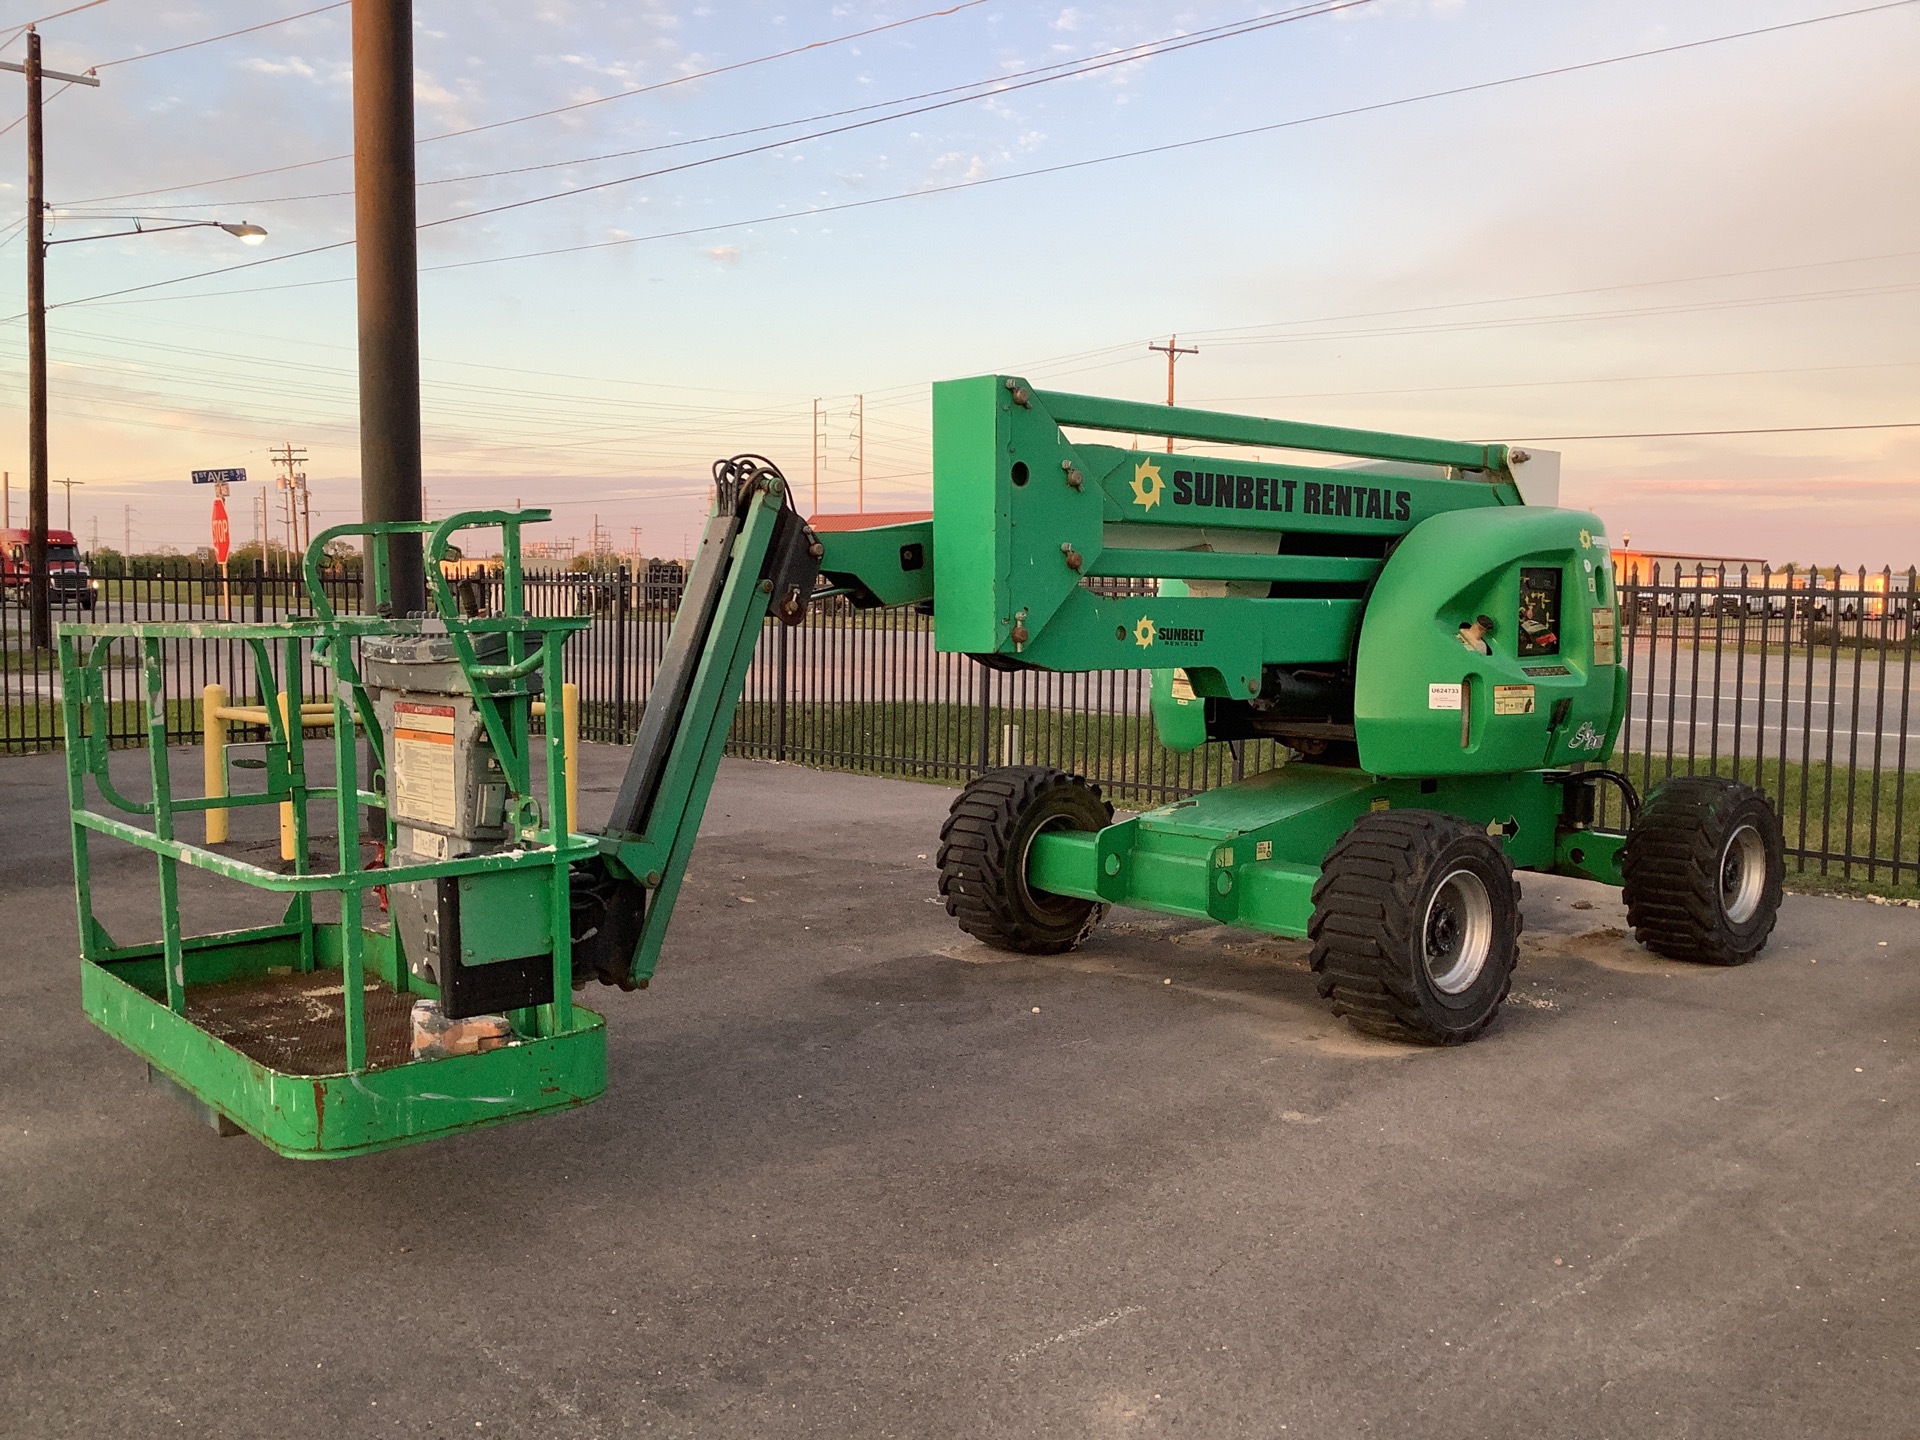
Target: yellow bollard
{"points": [[213, 755], [286, 806], [570, 739]]}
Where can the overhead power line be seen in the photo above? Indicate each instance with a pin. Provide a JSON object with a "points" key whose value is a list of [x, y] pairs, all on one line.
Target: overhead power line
{"points": [[1305, 12], [20, 120], [1690, 434], [990, 86], [60, 14], [229, 35], [1161, 149], [545, 114], [1170, 147]]}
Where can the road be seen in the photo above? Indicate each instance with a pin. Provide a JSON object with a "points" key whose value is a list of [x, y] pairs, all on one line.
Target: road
{"points": [[856, 1176], [1859, 700]]}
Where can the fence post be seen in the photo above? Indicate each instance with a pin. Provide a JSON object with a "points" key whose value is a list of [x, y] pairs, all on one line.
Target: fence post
{"points": [[780, 694], [621, 609], [985, 758], [259, 590]]}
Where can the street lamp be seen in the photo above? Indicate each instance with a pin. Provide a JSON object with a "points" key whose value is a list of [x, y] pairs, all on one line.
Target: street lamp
{"points": [[39, 582], [244, 231]]}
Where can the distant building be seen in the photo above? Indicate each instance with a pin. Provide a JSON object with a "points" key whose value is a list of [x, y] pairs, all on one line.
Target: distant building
{"points": [[664, 581], [1684, 581], [1630, 564]]}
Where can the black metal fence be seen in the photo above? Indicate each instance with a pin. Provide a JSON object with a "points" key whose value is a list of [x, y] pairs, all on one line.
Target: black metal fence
{"points": [[1800, 682], [30, 680]]}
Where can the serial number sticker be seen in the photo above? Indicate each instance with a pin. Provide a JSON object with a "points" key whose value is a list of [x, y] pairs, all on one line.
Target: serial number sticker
{"points": [[1443, 697], [1513, 699], [424, 842], [1605, 651], [1544, 670]]}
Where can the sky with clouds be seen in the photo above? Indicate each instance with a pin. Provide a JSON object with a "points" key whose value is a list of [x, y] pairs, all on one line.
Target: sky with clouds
{"points": [[721, 213]]}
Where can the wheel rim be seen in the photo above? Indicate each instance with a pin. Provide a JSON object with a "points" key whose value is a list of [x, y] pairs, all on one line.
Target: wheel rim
{"points": [[1457, 932], [1045, 900], [1743, 874]]}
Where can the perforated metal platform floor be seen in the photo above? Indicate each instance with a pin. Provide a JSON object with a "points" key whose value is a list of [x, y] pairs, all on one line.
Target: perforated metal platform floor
{"points": [[294, 1023]]}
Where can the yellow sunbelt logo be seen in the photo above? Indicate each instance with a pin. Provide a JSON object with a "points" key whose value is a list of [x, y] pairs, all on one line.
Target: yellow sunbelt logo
{"points": [[1146, 633], [1147, 488]]}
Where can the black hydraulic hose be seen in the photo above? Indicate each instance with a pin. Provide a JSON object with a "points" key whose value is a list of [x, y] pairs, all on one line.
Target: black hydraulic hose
{"points": [[1627, 791]]}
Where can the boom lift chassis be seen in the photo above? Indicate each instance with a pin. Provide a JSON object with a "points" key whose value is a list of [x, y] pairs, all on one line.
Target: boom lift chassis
{"points": [[1438, 655]]}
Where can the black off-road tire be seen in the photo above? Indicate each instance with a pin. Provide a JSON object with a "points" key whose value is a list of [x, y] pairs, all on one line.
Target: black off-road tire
{"points": [[983, 858], [1416, 927], [1704, 867]]}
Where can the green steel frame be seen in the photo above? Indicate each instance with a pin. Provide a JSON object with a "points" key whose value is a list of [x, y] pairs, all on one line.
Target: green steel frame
{"points": [[142, 994], [1029, 504], [520, 896]]}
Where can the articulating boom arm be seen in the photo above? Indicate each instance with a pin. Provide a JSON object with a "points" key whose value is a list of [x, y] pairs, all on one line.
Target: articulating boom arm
{"points": [[1269, 583], [756, 554]]}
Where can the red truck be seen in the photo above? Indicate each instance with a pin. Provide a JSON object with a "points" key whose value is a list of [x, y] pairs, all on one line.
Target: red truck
{"points": [[68, 580]]}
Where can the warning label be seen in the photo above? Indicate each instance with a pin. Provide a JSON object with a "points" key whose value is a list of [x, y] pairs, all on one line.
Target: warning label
{"points": [[423, 772], [1513, 699], [1605, 652]]}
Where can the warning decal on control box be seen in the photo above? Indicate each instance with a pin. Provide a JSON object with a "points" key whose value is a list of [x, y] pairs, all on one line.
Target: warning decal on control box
{"points": [[423, 787], [1604, 650], [1443, 697], [1513, 699]]}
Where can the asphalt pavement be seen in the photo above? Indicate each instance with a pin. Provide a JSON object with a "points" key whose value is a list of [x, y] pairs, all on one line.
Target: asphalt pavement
{"points": [[856, 1175]]}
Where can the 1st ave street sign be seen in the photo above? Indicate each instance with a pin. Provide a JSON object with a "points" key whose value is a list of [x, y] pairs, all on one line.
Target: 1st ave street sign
{"points": [[219, 477]]}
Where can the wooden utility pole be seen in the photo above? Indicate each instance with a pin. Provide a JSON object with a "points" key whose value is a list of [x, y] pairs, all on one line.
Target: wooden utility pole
{"points": [[39, 582], [39, 600], [69, 483], [861, 412], [1173, 350], [814, 443], [293, 462], [387, 267]]}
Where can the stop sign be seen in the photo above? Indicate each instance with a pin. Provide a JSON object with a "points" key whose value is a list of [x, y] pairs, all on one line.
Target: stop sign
{"points": [[222, 532]]}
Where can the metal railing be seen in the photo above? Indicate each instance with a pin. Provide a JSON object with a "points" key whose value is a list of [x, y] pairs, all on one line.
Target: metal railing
{"points": [[1801, 682]]}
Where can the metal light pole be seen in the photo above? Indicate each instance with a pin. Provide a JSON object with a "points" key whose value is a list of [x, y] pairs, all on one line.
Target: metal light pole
{"points": [[386, 265]]}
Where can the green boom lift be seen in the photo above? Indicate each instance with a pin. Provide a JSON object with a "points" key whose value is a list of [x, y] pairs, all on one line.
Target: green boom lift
{"points": [[1439, 656]]}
